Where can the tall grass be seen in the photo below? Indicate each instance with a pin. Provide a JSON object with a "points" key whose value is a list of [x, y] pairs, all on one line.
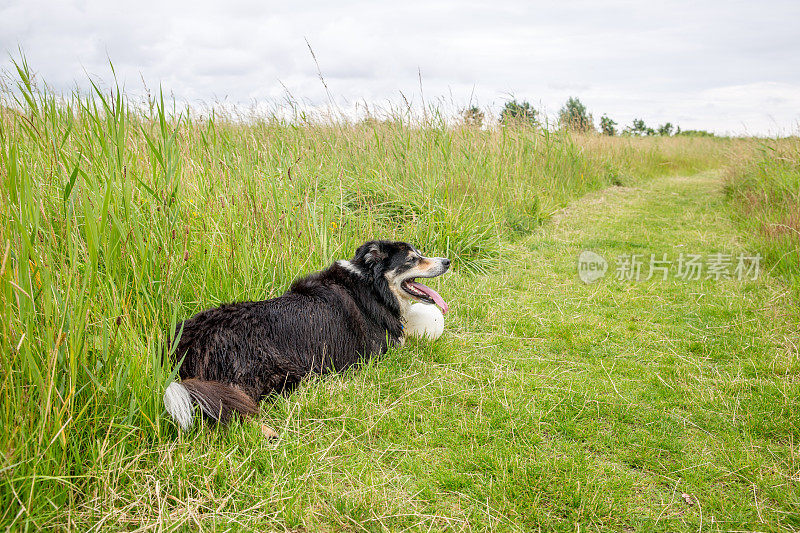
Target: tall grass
{"points": [[120, 220], [764, 190]]}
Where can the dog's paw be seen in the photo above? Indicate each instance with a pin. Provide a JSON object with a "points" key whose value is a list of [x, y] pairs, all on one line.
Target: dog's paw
{"points": [[268, 432]]}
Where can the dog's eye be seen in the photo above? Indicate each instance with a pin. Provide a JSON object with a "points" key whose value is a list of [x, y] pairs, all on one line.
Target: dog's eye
{"points": [[413, 260]]}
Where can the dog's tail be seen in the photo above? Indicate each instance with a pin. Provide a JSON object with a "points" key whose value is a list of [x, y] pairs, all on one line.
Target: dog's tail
{"points": [[216, 401]]}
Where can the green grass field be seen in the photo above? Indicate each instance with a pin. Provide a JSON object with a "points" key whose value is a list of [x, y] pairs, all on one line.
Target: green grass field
{"points": [[548, 404], [764, 190]]}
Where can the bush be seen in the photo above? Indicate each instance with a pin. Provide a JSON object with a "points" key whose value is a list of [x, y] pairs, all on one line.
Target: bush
{"points": [[638, 128], [694, 133], [607, 126], [573, 116], [519, 113], [472, 116], [665, 129]]}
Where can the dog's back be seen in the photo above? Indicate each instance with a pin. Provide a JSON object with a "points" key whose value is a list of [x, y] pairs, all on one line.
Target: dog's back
{"points": [[267, 346]]}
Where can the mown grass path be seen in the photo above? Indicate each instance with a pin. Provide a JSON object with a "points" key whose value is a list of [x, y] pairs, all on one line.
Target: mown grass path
{"points": [[651, 404], [548, 404]]}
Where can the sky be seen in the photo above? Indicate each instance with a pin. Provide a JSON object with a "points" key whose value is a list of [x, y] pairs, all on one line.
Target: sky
{"points": [[726, 66]]}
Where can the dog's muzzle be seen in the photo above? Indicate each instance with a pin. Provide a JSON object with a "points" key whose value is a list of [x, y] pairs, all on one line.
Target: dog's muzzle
{"points": [[423, 292]]}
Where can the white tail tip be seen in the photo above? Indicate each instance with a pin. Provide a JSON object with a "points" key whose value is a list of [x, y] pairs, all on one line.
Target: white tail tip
{"points": [[179, 405]]}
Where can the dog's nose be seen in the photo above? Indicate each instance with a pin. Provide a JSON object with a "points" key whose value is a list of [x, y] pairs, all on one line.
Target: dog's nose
{"points": [[446, 262]]}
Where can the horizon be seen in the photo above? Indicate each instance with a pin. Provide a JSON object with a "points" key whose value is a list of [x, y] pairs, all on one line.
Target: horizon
{"points": [[721, 70]]}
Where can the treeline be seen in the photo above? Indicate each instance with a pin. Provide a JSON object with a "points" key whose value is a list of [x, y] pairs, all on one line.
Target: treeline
{"points": [[574, 116]]}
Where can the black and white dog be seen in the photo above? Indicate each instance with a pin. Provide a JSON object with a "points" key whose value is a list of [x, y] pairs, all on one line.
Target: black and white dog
{"points": [[236, 354]]}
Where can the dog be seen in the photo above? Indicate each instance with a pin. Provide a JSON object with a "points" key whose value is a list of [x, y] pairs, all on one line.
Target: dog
{"points": [[234, 355]]}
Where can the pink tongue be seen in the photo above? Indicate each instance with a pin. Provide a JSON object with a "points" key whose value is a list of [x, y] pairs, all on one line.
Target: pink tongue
{"points": [[432, 293]]}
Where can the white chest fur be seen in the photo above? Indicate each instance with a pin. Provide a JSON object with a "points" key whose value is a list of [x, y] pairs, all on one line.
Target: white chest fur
{"points": [[424, 320]]}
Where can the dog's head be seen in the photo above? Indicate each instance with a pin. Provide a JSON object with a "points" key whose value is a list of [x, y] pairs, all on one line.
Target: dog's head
{"points": [[395, 266]]}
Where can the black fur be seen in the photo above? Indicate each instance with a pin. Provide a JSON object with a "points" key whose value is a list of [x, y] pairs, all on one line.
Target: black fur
{"points": [[327, 321]]}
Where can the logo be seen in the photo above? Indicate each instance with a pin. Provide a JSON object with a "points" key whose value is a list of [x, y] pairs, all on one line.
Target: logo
{"points": [[591, 266]]}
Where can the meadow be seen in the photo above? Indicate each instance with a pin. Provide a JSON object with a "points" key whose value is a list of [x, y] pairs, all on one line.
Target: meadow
{"points": [[121, 219], [764, 190]]}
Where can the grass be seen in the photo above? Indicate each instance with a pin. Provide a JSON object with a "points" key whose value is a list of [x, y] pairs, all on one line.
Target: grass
{"points": [[764, 191], [546, 404]]}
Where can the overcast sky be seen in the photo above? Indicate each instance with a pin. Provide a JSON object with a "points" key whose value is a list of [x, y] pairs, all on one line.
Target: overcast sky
{"points": [[727, 66]]}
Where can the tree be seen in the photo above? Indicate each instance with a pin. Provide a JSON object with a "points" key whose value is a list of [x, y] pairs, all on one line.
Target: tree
{"points": [[638, 127], [472, 116], [665, 129], [518, 113], [607, 126], [574, 116]]}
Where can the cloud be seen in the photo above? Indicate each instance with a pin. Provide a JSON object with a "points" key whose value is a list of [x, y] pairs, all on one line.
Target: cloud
{"points": [[715, 65]]}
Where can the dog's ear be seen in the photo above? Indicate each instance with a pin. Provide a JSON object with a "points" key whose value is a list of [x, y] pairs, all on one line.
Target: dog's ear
{"points": [[375, 254], [370, 253]]}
